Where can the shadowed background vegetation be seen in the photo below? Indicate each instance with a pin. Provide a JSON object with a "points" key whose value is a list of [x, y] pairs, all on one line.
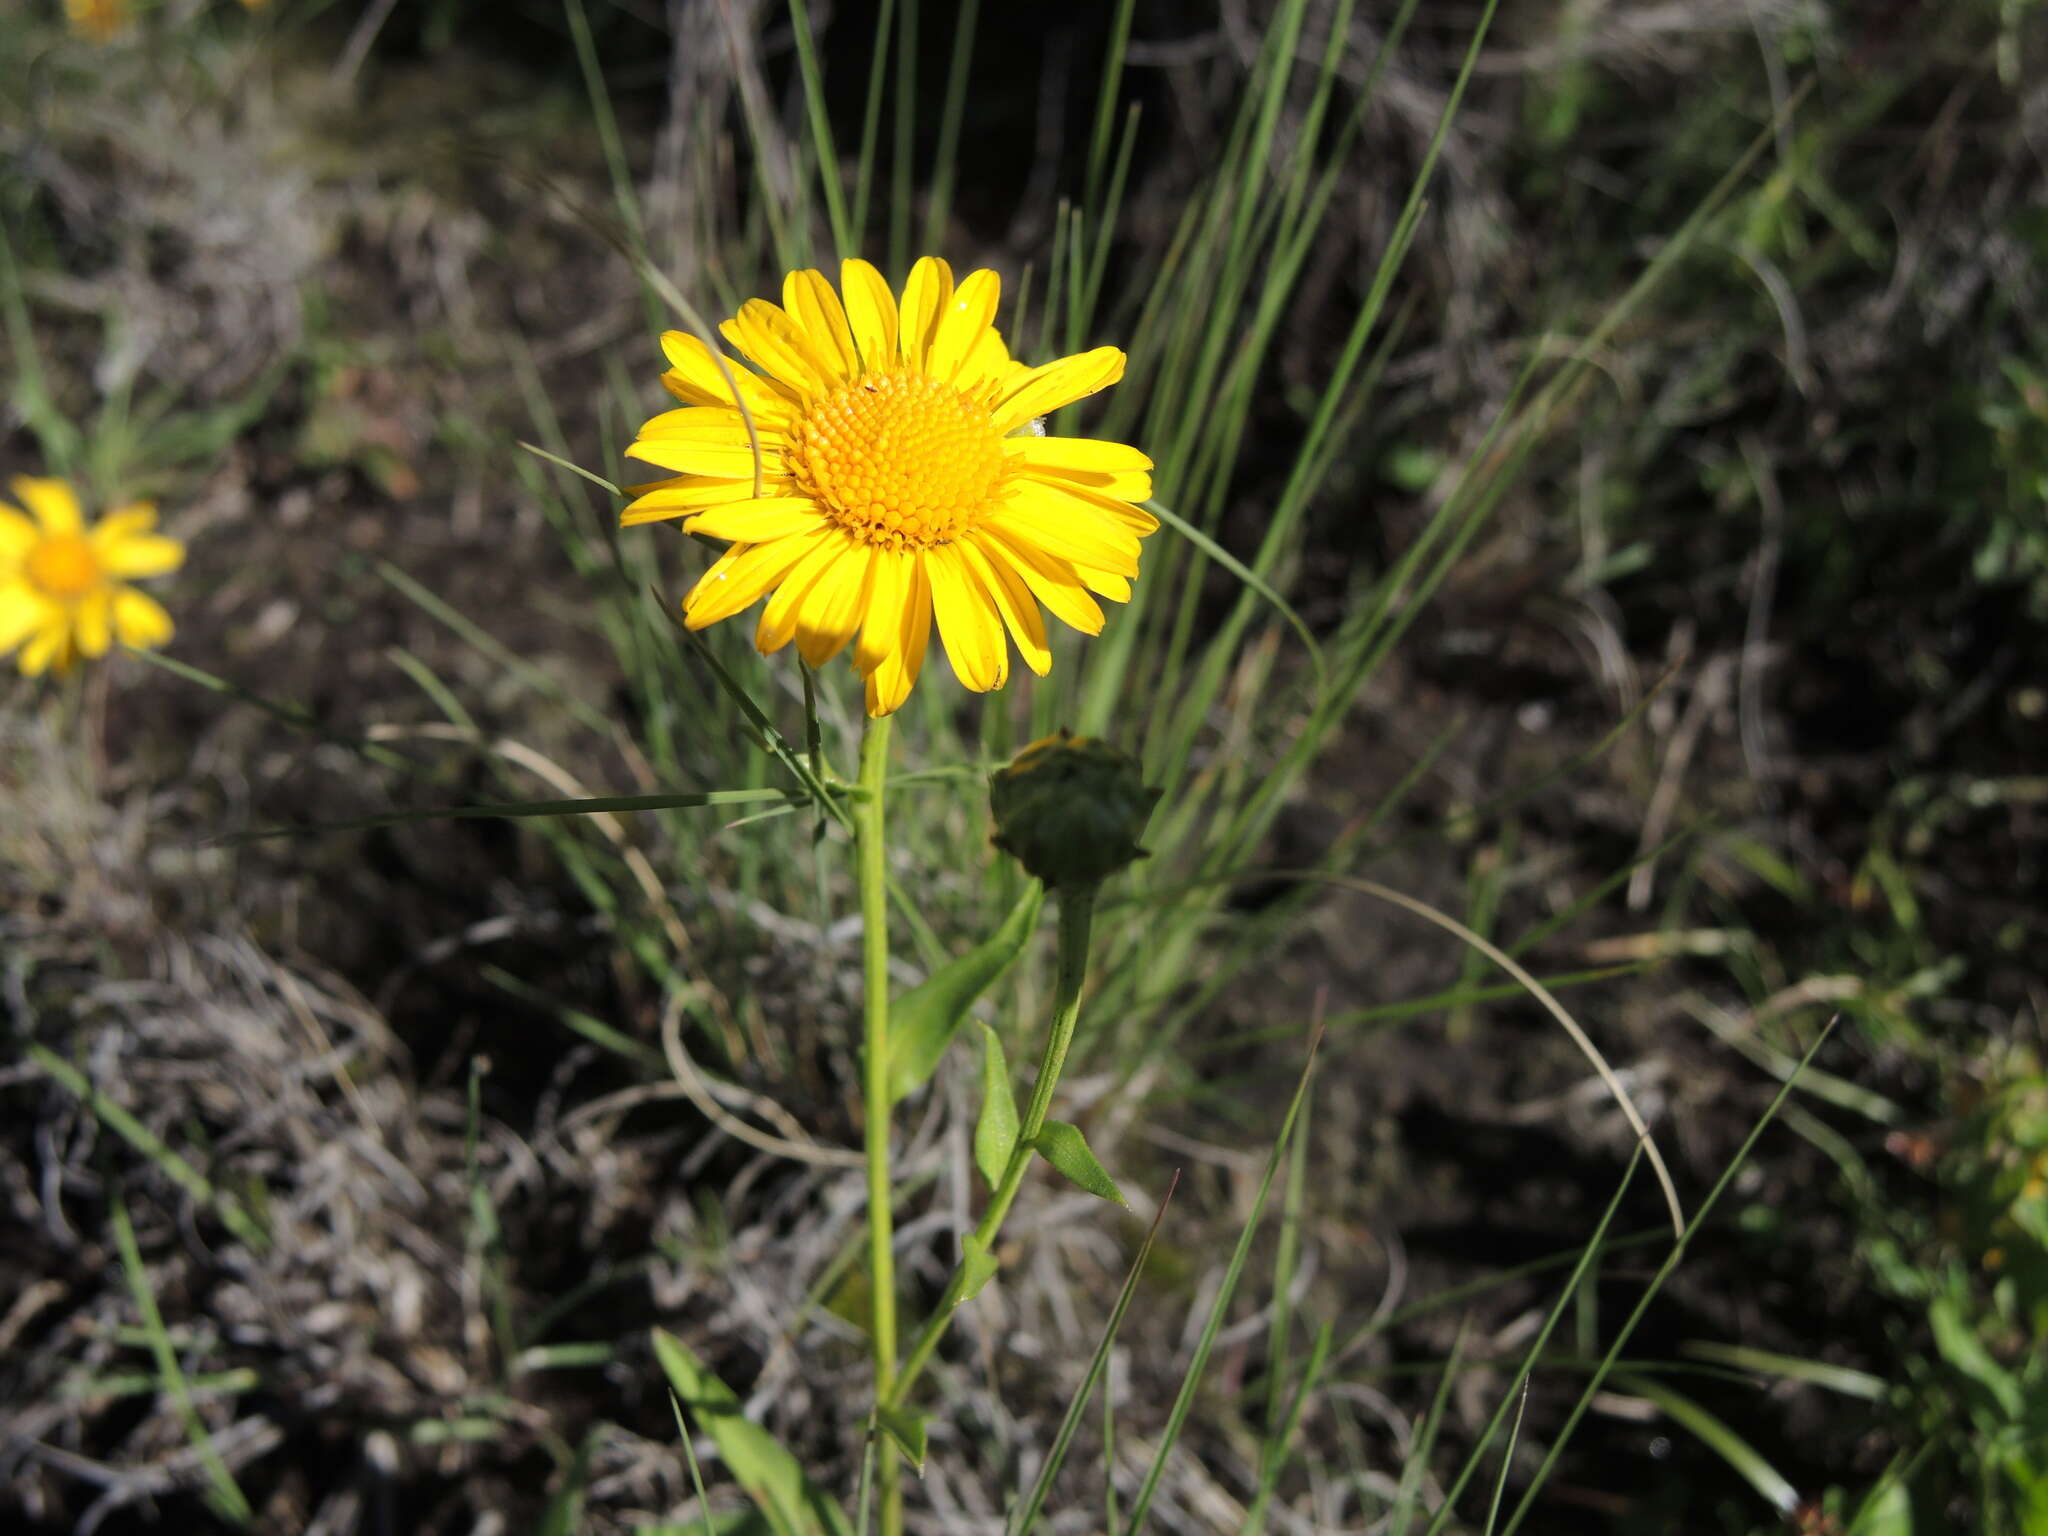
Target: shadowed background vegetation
{"points": [[1688, 638]]}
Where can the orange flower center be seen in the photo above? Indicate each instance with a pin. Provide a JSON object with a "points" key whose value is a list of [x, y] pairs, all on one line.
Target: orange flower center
{"points": [[63, 566], [899, 459]]}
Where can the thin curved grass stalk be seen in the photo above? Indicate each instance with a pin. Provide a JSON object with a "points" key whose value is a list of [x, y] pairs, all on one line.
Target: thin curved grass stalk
{"points": [[1542, 994], [1664, 1271]]}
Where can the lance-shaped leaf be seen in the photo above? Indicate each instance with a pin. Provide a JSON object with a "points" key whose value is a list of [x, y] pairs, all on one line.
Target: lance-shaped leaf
{"points": [[981, 1266], [923, 1022], [790, 1503], [907, 1430], [995, 1128], [1066, 1149]]}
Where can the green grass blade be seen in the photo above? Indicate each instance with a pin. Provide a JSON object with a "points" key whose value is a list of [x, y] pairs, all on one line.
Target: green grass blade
{"points": [[150, 1145], [1650, 1292], [226, 1496], [513, 810], [1534, 1353], [1711, 1432], [945, 167], [843, 233], [1025, 1516], [1141, 1506]]}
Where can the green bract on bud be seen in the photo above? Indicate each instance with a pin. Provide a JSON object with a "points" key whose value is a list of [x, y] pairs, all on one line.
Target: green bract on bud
{"points": [[1070, 809]]}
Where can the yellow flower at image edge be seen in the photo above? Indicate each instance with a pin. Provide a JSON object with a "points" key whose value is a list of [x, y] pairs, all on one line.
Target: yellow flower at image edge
{"points": [[99, 20], [902, 479], [63, 586]]}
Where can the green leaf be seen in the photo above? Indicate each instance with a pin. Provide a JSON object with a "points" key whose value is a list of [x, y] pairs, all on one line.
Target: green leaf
{"points": [[923, 1022], [907, 1430], [995, 1129], [1888, 1511], [790, 1502], [1066, 1149], [981, 1266], [1766, 1479], [564, 1515], [1960, 1347]]}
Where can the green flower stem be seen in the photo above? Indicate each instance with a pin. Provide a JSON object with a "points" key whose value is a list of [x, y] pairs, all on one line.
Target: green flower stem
{"points": [[1077, 913], [869, 824]]}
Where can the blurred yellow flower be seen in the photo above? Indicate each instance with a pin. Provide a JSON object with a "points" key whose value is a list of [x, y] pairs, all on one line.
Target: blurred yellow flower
{"points": [[63, 586], [903, 476], [100, 20]]}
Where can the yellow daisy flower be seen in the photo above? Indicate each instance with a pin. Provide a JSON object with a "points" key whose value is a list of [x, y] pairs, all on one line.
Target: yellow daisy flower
{"points": [[903, 477], [100, 20], [63, 587]]}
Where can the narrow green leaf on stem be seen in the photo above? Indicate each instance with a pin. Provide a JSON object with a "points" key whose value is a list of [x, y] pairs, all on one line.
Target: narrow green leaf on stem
{"points": [[1063, 1145], [924, 1020], [995, 1128], [906, 1429]]}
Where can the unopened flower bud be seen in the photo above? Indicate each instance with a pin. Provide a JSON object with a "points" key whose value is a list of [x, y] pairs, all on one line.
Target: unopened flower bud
{"points": [[1070, 809]]}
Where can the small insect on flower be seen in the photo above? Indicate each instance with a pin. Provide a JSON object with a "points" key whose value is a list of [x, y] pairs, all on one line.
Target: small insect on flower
{"points": [[903, 477], [64, 589]]}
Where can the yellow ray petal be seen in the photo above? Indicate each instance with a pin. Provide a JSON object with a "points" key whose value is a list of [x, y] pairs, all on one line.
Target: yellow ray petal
{"points": [[1006, 589], [889, 684], [870, 311], [18, 535], [756, 522], [963, 322], [985, 369], [925, 297], [1058, 383], [679, 499], [1090, 454], [49, 647], [829, 614], [685, 457], [1116, 588], [704, 424], [764, 333], [889, 581], [694, 379], [1070, 529], [810, 301], [968, 622], [135, 555], [1053, 582], [93, 622], [130, 517], [52, 502], [23, 611], [139, 619], [1136, 519], [743, 574], [777, 626]]}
